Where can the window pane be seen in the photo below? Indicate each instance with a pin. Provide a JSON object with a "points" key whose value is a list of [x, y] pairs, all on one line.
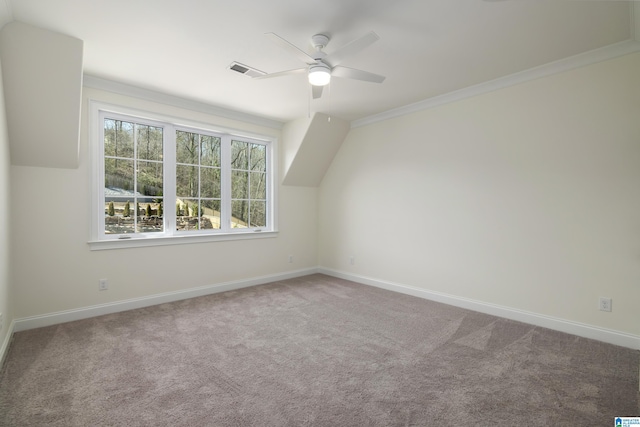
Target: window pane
{"points": [[187, 147], [149, 178], [190, 207], [239, 213], [180, 208], [210, 215], [150, 218], [118, 138], [115, 221], [188, 220], [210, 182], [239, 155], [258, 185], [258, 157], [160, 203], [239, 185], [210, 150], [186, 181], [118, 177], [109, 137], [258, 214], [149, 142]]}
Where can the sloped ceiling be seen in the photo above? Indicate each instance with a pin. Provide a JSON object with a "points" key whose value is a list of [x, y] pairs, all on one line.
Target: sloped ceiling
{"points": [[42, 83], [310, 146]]}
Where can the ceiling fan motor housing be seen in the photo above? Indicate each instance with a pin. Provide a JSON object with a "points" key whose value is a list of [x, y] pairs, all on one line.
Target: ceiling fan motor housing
{"points": [[319, 41]]}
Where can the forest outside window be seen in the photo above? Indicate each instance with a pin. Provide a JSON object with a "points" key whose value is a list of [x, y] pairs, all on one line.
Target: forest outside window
{"points": [[158, 179]]}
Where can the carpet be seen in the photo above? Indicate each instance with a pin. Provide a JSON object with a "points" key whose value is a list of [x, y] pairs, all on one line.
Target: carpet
{"points": [[312, 351]]}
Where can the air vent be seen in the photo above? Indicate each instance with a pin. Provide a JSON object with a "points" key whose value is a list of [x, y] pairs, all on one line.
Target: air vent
{"points": [[245, 69]]}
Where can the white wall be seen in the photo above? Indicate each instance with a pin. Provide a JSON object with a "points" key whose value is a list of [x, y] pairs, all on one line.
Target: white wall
{"points": [[54, 270], [6, 307], [527, 198]]}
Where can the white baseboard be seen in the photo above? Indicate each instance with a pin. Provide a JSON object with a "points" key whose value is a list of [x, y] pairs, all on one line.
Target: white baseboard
{"points": [[588, 331], [4, 350], [580, 329], [118, 306]]}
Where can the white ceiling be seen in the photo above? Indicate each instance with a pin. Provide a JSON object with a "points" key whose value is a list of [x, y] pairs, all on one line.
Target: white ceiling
{"points": [[426, 47]]}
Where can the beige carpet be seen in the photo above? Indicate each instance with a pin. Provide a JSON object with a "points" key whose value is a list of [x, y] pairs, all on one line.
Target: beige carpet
{"points": [[312, 351]]}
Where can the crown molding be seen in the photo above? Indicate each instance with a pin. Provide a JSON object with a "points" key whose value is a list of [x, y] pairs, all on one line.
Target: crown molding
{"points": [[577, 61], [176, 101]]}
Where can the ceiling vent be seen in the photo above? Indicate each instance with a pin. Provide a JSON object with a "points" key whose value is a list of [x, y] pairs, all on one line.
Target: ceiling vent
{"points": [[245, 69]]}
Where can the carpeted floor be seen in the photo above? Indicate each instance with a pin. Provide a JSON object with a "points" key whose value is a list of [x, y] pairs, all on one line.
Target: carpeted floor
{"points": [[312, 351]]}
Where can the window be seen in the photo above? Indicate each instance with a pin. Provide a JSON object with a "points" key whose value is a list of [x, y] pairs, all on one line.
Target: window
{"points": [[133, 177], [198, 181], [248, 184], [158, 180]]}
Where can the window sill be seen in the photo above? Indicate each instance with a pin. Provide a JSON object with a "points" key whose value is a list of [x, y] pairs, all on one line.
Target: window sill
{"points": [[141, 242]]}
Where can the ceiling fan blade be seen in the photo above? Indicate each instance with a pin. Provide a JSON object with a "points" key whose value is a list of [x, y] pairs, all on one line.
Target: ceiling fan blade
{"points": [[350, 49], [294, 50], [316, 91], [282, 73], [352, 73]]}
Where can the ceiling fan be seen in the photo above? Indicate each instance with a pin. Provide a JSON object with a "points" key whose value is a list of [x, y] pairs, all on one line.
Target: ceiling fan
{"points": [[321, 66]]}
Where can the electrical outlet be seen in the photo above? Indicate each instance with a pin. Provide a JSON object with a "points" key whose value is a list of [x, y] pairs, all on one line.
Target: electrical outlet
{"points": [[103, 285], [290, 259], [605, 304], [352, 260]]}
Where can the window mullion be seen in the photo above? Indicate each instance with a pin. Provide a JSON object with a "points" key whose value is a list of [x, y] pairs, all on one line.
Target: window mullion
{"points": [[169, 174], [269, 170], [225, 179], [99, 164], [249, 198], [199, 199], [135, 177]]}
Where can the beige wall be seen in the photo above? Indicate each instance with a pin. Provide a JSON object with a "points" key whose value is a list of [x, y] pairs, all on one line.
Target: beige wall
{"points": [[54, 270], [527, 198], [6, 307]]}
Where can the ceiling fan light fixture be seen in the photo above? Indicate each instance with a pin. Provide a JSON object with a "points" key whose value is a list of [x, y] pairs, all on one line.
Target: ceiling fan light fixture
{"points": [[319, 74]]}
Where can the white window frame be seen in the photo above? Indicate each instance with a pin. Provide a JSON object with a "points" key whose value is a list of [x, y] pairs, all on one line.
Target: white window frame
{"points": [[99, 240]]}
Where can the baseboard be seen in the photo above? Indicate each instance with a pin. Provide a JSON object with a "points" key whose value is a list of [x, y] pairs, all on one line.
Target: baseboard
{"points": [[115, 307], [583, 330], [562, 325], [4, 350]]}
